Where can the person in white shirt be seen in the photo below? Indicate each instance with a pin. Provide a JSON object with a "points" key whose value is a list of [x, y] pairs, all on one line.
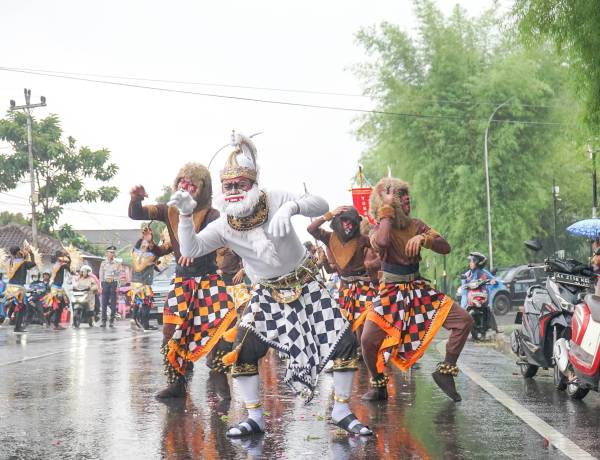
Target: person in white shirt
{"points": [[290, 310]]}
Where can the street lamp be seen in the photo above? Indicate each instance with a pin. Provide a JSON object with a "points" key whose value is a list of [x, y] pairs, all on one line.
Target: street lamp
{"points": [[487, 183], [555, 199]]}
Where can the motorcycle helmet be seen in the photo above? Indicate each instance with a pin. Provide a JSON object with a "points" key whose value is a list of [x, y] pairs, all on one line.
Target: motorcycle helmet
{"points": [[85, 269], [478, 258]]}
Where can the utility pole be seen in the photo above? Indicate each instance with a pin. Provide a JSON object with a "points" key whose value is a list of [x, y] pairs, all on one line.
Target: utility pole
{"points": [[555, 192], [487, 183], [27, 109], [592, 153]]}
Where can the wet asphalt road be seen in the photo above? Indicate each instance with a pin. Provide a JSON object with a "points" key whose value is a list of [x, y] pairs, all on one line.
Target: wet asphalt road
{"points": [[90, 394]]}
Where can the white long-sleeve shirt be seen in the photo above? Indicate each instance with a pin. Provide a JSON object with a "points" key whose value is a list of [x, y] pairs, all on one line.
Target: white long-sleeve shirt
{"points": [[218, 233]]}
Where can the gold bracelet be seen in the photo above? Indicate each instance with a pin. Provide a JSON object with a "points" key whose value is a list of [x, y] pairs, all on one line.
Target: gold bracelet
{"points": [[341, 400], [255, 405]]}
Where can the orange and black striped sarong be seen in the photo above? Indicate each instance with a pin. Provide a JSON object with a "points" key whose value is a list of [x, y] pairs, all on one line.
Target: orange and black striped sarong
{"points": [[356, 298], [411, 314], [205, 310]]}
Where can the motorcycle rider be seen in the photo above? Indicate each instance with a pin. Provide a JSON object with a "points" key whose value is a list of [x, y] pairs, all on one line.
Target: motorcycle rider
{"points": [[2, 288], [477, 271], [35, 296], [595, 264], [85, 282]]}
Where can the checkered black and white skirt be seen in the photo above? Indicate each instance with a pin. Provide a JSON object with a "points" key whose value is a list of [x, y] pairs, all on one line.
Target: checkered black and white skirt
{"points": [[306, 330]]}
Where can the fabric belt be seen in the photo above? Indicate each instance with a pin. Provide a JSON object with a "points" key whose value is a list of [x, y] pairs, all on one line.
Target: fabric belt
{"points": [[288, 288], [354, 278], [399, 269], [195, 271], [109, 280], [387, 277], [305, 272]]}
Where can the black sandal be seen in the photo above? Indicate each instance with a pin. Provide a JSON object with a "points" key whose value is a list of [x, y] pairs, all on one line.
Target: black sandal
{"points": [[357, 428], [244, 431]]}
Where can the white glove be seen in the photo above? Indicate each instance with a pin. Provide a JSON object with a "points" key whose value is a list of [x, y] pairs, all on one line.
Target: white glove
{"points": [[280, 225], [183, 201]]}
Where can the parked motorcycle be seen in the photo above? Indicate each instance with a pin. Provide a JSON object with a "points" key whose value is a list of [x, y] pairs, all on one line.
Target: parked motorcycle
{"points": [[547, 314], [82, 307], [478, 306], [578, 360], [34, 310]]}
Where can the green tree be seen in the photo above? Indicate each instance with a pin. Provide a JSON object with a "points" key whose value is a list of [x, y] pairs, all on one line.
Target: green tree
{"points": [[68, 235], [62, 168], [10, 218], [165, 194], [434, 93], [573, 27]]}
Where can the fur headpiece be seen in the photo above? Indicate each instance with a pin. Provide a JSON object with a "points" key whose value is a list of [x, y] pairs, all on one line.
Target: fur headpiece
{"points": [[397, 187], [242, 160], [200, 177]]}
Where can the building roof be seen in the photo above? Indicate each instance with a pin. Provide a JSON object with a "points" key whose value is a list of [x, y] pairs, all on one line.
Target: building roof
{"points": [[15, 234], [119, 237]]}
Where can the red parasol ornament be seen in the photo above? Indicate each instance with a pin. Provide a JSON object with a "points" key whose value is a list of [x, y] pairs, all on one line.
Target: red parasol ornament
{"points": [[361, 193]]}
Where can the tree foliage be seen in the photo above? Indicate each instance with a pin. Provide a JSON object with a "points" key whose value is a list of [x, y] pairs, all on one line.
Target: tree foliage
{"points": [[573, 27], [438, 89], [69, 236], [63, 170], [165, 194], [10, 218]]}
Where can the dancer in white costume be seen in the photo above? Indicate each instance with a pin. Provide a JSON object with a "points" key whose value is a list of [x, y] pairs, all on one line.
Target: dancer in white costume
{"points": [[289, 310]]}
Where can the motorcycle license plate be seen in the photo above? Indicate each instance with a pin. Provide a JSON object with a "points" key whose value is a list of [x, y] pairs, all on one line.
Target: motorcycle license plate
{"points": [[575, 280]]}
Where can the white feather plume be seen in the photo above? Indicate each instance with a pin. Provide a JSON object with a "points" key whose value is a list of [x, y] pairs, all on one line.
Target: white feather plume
{"points": [[75, 256]]}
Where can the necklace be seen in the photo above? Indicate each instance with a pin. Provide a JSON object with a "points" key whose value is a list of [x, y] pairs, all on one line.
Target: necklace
{"points": [[256, 219]]}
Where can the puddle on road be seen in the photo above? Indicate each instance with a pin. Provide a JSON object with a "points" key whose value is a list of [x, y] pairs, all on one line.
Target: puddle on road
{"points": [[102, 405]]}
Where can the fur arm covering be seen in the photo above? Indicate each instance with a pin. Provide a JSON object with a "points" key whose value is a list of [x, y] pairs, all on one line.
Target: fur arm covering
{"points": [[317, 232], [150, 212], [432, 239]]}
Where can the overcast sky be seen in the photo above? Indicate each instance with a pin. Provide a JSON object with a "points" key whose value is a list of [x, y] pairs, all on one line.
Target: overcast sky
{"points": [[307, 45]]}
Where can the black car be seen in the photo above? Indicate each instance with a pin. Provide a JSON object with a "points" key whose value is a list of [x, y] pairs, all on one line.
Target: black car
{"points": [[161, 287], [519, 279]]}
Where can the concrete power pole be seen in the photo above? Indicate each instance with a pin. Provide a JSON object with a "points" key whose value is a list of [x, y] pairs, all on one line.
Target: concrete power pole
{"points": [[27, 109]]}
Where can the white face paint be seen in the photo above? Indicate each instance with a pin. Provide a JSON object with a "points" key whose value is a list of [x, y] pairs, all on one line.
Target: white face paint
{"points": [[244, 203]]}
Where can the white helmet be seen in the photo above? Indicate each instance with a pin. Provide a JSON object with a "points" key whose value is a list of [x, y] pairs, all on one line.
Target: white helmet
{"points": [[85, 269]]}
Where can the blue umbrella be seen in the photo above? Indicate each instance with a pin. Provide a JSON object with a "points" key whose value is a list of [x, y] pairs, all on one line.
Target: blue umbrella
{"points": [[588, 228]]}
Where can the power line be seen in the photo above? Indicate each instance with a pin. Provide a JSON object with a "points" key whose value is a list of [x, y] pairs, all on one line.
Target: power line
{"points": [[261, 88], [64, 207], [283, 103]]}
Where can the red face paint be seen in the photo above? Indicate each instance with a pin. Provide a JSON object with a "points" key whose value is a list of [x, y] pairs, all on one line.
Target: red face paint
{"points": [[187, 185], [234, 190]]}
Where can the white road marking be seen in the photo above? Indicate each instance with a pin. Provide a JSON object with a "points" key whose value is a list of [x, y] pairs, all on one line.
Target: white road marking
{"points": [[45, 355], [554, 437]]}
